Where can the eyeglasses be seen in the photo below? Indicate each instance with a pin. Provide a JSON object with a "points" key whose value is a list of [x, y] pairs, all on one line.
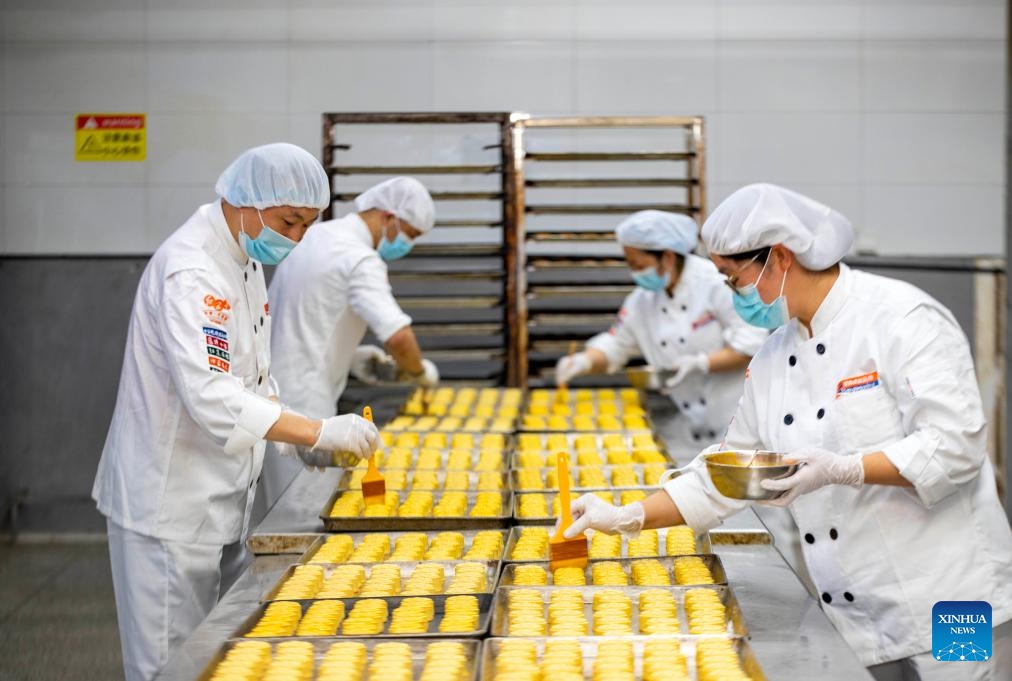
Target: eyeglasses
{"points": [[732, 279]]}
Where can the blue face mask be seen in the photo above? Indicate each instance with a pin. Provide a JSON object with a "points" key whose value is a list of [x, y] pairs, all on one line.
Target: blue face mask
{"points": [[651, 281], [753, 310], [398, 248], [269, 248]]}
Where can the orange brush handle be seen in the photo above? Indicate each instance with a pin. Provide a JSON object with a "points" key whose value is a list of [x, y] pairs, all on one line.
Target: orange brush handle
{"points": [[562, 470], [371, 470]]}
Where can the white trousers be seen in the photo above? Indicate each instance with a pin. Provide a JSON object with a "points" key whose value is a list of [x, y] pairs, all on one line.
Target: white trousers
{"points": [[164, 589]]}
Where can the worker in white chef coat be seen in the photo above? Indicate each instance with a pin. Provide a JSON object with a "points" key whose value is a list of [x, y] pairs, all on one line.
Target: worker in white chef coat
{"points": [[869, 382], [325, 296], [196, 401], [680, 319]]}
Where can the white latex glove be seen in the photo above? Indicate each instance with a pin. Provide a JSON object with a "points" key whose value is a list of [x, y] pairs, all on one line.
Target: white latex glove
{"points": [[819, 467], [571, 366], [313, 461], [366, 361], [686, 366], [430, 375], [591, 512], [344, 441]]}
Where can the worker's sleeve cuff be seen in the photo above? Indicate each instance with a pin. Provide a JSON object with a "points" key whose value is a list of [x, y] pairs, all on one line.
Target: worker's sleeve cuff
{"points": [[922, 470], [256, 418]]}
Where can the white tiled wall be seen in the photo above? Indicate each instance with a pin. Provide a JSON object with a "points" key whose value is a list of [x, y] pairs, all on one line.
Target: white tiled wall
{"points": [[891, 111]]}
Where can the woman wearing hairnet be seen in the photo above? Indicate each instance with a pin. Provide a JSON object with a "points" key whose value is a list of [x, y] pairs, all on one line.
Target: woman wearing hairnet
{"points": [[324, 298], [869, 383], [196, 402], [681, 320]]}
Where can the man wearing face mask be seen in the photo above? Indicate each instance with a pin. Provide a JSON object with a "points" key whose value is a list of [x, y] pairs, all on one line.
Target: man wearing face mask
{"points": [[324, 297], [681, 320], [197, 400]]}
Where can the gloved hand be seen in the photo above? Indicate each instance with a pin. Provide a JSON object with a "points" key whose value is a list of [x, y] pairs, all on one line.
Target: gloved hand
{"points": [[819, 467], [591, 512], [571, 366], [686, 366], [366, 361], [350, 435], [314, 461], [428, 377]]}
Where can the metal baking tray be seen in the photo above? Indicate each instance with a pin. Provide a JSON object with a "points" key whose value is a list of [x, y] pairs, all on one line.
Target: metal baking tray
{"points": [[307, 555], [606, 470], [589, 645], [703, 545], [472, 481], [444, 459], [507, 440], [711, 561], [380, 524], [484, 617], [459, 424], [550, 501], [571, 438], [579, 394], [407, 568], [735, 621], [472, 652], [500, 400], [525, 427]]}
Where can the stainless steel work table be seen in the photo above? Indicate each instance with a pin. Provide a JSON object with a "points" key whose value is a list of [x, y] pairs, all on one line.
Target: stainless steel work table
{"points": [[790, 635]]}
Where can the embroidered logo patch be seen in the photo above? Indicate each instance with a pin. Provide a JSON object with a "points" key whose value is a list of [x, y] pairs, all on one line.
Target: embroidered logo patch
{"points": [[857, 383], [216, 309], [216, 342]]}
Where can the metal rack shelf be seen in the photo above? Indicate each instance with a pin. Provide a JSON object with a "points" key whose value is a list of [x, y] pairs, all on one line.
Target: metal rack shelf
{"points": [[460, 294], [573, 277]]}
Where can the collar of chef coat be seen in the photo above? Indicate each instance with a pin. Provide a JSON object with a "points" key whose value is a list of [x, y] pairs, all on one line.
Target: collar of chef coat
{"points": [[360, 230], [217, 218], [830, 307]]}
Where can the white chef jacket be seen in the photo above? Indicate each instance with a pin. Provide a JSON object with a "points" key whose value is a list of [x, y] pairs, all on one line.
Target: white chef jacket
{"points": [[185, 445], [887, 368], [699, 316], [323, 296]]}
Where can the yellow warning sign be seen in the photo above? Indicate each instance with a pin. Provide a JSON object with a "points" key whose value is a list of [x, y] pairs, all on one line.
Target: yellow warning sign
{"points": [[110, 137]]}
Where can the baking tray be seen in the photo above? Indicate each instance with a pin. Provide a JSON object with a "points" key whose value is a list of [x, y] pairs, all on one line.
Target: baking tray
{"points": [[472, 479], [491, 574], [593, 396], [380, 524], [589, 646], [415, 399], [491, 577], [439, 601], [616, 499], [735, 621], [591, 457], [393, 436], [449, 424], [711, 561], [444, 459], [307, 555], [703, 545], [571, 437], [526, 426], [472, 651], [541, 474]]}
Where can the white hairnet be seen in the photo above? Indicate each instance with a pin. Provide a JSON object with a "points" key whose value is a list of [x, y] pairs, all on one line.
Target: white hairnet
{"points": [[655, 230], [275, 175], [761, 215], [405, 197]]}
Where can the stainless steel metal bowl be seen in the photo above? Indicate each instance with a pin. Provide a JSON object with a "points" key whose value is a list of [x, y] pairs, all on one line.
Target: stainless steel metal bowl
{"points": [[737, 474]]}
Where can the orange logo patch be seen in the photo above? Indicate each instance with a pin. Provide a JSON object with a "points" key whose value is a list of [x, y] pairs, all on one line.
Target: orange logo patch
{"points": [[857, 383]]}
